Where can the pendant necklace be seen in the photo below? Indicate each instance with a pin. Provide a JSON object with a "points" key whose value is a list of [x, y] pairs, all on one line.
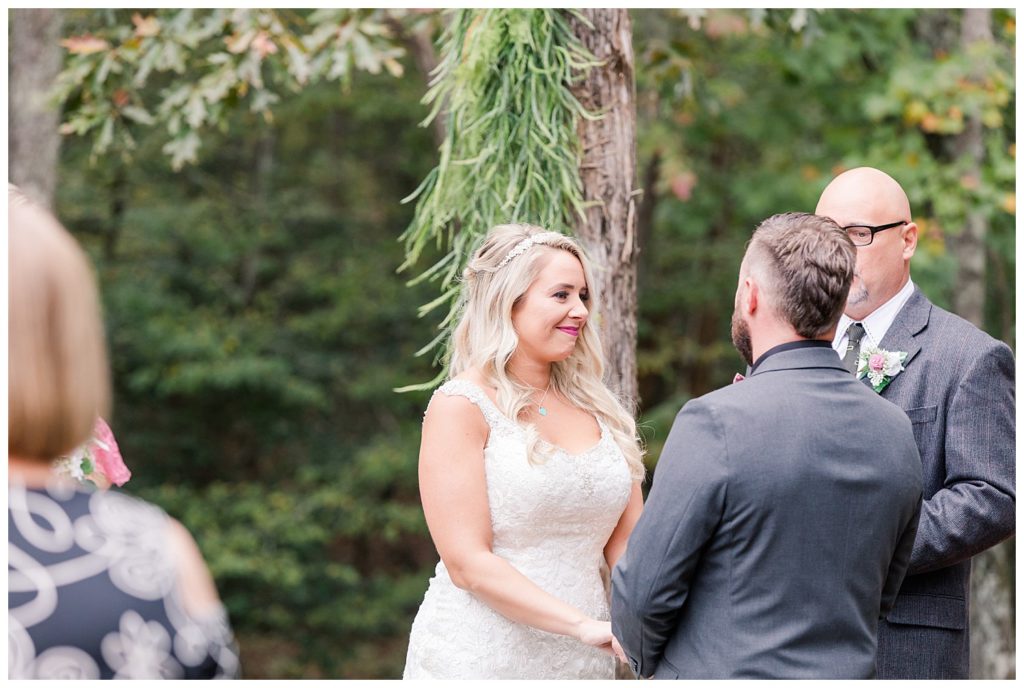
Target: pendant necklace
{"points": [[541, 409]]}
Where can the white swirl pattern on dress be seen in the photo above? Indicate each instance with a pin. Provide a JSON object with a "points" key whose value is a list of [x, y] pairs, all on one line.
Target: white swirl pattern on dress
{"points": [[551, 521], [66, 663], [126, 539], [121, 530], [139, 649]]}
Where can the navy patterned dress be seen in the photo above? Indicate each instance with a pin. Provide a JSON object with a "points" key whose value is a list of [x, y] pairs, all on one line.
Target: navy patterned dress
{"points": [[93, 593]]}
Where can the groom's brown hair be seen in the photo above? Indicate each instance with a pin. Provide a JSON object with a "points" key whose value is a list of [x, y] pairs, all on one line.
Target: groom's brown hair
{"points": [[808, 263]]}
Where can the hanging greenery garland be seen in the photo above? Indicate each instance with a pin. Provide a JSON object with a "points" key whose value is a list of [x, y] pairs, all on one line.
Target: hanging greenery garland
{"points": [[511, 152]]}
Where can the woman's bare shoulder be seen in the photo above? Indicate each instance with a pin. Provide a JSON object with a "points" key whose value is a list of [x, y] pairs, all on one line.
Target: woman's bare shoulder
{"points": [[457, 410]]}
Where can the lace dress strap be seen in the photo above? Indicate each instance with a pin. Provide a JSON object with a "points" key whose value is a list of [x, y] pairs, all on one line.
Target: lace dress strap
{"points": [[465, 388]]}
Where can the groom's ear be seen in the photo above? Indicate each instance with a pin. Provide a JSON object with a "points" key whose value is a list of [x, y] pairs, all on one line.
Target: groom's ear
{"points": [[751, 297]]}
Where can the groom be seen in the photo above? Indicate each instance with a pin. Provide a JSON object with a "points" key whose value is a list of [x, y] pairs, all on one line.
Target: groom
{"points": [[784, 508]]}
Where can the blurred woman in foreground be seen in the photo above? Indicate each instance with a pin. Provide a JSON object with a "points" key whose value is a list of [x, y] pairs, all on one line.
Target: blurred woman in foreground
{"points": [[100, 585]]}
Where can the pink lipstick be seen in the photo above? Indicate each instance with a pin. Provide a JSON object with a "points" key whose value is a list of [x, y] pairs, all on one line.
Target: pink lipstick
{"points": [[571, 331]]}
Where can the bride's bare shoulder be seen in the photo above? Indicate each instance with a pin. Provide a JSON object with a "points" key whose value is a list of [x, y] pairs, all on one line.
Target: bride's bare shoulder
{"points": [[457, 410]]}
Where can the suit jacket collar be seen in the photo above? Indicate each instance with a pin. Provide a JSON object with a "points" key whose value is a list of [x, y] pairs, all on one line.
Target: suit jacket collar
{"points": [[808, 357], [910, 321]]}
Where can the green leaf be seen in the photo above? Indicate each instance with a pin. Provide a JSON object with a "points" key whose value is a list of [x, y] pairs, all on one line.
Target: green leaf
{"points": [[137, 114]]}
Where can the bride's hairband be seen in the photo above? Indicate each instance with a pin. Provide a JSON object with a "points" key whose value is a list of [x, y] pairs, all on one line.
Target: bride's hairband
{"points": [[523, 246]]}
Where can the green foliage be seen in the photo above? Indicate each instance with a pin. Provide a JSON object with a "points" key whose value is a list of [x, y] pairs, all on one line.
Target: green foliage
{"points": [[252, 308], [256, 329], [188, 69], [337, 558], [746, 114], [511, 153]]}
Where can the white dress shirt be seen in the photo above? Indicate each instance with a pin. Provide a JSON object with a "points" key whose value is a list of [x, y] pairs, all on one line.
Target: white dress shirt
{"points": [[876, 324]]}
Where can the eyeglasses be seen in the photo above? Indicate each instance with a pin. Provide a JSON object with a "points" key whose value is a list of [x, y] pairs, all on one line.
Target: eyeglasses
{"points": [[863, 235]]}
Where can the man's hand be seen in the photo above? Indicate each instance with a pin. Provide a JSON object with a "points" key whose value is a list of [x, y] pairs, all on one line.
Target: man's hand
{"points": [[619, 653]]}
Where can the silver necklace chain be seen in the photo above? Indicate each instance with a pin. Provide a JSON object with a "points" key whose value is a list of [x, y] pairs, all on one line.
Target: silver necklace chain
{"points": [[540, 405]]}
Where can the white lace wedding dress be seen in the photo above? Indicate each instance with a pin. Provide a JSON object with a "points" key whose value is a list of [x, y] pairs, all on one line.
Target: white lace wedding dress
{"points": [[550, 521]]}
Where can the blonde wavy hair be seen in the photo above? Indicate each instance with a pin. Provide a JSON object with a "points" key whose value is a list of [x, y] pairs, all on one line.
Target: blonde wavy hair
{"points": [[484, 338]]}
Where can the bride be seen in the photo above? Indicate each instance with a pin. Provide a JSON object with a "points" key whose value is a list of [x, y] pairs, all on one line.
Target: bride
{"points": [[530, 474]]}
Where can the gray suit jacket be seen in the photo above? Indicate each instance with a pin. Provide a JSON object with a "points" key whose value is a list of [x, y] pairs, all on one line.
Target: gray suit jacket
{"points": [[778, 529], [958, 390]]}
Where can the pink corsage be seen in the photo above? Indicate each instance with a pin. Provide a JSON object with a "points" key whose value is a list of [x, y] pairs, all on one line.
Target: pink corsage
{"points": [[98, 460], [879, 366]]}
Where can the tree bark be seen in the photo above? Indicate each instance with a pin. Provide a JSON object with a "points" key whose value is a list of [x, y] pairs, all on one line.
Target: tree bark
{"points": [[992, 618], [969, 149], [993, 650], [608, 171], [32, 121]]}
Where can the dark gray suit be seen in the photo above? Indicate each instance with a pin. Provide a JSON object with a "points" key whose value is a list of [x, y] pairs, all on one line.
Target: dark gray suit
{"points": [[958, 390], [778, 529]]}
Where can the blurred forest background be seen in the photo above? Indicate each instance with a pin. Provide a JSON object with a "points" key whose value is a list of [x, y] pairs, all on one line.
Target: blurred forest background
{"points": [[247, 260]]}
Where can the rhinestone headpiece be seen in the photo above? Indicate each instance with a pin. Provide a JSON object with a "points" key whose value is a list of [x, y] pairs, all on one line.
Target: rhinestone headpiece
{"points": [[522, 247]]}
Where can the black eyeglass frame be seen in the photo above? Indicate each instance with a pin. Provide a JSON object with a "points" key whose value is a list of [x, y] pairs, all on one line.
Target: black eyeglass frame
{"points": [[873, 230]]}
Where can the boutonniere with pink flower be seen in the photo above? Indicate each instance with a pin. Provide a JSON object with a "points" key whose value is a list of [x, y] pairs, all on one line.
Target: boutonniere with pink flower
{"points": [[879, 366], [98, 460]]}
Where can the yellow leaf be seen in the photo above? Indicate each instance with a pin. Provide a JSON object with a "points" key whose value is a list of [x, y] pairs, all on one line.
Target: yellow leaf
{"points": [[1009, 204], [239, 43], [992, 118], [393, 66], [84, 45], [915, 111], [145, 27]]}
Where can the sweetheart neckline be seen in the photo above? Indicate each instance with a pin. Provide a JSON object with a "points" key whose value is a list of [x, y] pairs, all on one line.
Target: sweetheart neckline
{"points": [[558, 449]]}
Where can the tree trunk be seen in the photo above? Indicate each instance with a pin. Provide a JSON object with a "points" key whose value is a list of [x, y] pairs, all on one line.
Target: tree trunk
{"points": [[992, 617], [32, 137], [969, 149], [608, 171], [993, 651]]}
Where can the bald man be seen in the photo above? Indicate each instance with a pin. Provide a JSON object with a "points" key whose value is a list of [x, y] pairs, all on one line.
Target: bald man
{"points": [[957, 387]]}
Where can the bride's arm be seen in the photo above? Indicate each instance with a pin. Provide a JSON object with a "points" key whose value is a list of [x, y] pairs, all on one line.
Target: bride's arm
{"points": [[453, 488], [617, 542]]}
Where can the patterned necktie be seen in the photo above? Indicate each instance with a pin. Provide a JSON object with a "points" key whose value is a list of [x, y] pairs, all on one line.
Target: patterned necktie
{"points": [[854, 334]]}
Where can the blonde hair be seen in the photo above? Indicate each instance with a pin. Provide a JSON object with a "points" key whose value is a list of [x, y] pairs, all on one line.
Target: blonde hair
{"points": [[497, 276], [58, 381]]}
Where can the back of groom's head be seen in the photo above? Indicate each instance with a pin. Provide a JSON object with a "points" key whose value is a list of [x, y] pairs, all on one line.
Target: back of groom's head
{"points": [[804, 264]]}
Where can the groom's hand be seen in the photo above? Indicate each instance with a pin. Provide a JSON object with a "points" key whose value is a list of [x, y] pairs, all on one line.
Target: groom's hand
{"points": [[619, 652]]}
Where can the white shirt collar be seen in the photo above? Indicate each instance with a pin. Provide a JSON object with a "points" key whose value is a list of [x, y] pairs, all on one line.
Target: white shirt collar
{"points": [[878, 322]]}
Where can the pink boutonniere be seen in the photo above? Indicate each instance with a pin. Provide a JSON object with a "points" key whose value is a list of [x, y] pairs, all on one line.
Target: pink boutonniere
{"points": [[738, 378], [98, 460], [879, 366]]}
